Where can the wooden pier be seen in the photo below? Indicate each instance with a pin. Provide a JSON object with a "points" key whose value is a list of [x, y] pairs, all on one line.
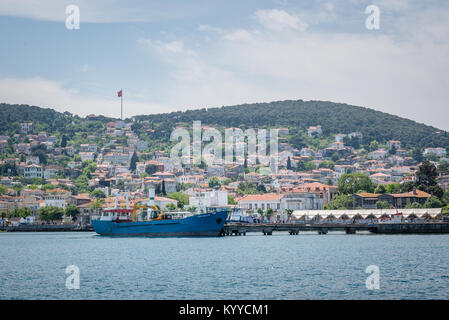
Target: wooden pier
{"points": [[240, 229]]}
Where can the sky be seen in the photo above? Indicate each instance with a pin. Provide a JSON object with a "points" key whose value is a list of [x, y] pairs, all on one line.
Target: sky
{"points": [[178, 55]]}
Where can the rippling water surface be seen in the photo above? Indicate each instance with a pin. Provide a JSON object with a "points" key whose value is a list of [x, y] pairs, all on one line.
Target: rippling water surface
{"points": [[306, 266]]}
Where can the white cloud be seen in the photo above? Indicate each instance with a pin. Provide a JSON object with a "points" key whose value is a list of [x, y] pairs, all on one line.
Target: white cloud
{"points": [[279, 20], [172, 47], [50, 94], [405, 75], [209, 28], [98, 11], [238, 35], [400, 69]]}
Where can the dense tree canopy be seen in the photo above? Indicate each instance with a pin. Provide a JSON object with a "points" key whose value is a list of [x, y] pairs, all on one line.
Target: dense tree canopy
{"points": [[350, 183], [50, 213]]}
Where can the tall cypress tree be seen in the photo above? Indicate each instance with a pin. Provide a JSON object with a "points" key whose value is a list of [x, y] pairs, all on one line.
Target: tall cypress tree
{"points": [[289, 164], [134, 160], [164, 193]]}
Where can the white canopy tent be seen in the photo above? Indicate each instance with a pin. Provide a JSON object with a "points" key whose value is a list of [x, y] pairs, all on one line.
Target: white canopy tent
{"points": [[363, 214]]}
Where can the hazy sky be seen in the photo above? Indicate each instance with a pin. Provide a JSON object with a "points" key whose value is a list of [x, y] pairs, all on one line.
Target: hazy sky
{"points": [[176, 55]]}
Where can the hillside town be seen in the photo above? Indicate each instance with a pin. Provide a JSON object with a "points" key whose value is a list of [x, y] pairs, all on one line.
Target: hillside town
{"points": [[49, 174]]}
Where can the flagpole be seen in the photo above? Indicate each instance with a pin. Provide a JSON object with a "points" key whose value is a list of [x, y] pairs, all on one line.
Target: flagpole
{"points": [[121, 104]]}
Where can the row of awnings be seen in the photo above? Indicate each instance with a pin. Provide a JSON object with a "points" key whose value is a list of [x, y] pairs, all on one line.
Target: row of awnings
{"points": [[365, 214]]}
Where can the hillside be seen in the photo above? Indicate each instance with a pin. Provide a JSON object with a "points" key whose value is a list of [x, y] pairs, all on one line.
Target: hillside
{"points": [[296, 115], [44, 119]]}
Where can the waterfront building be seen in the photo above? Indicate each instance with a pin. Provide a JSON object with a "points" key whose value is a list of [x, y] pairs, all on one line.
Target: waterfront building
{"points": [[362, 215], [209, 198], [261, 201], [397, 200]]}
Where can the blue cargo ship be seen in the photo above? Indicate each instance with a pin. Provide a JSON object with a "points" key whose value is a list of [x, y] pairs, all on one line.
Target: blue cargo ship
{"points": [[118, 222]]}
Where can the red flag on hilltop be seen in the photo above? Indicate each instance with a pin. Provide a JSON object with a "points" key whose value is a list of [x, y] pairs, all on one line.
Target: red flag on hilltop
{"points": [[119, 94]]}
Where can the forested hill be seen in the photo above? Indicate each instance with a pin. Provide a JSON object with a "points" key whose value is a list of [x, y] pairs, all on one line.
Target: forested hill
{"points": [[44, 119], [296, 115], [333, 118]]}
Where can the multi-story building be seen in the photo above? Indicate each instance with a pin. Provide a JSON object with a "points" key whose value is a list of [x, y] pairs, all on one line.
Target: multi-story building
{"points": [[33, 171], [314, 131], [26, 127], [209, 199], [394, 144], [397, 200], [24, 148], [57, 198], [439, 152], [261, 201]]}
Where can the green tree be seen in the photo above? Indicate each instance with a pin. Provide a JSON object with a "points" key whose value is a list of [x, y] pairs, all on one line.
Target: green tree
{"points": [[402, 187], [72, 211], [392, 150], [214, 183], [19, 213], [151, 169], [413, 205], [433, 202], [383, 205], [181, 197], [289, 213], [335, 156], [445, 197], [289, 164], [231, 200], [134, 160], [269, 213], [380, 189], [3, 189], [63, 141], [443, 166], [350, 183], [340, 201], [374, 145], [98, 194], [426, 176], [163, 191], [170, 207], [96, 204], [50, 213]]}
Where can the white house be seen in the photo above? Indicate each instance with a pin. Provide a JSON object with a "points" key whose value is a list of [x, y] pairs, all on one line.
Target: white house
{"points": [[339, 137], [51, 170], [394, 143], [261, 201], [86, 156], [32, 171], [57, 198], [162, 202], [314, 131], [378, 154], [301, 201], [439, 152], [358, 135], [209, 199], [26, 127]]}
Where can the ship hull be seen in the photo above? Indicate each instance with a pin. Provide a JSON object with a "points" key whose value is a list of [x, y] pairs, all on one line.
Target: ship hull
{"points": [[202, 225]]}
